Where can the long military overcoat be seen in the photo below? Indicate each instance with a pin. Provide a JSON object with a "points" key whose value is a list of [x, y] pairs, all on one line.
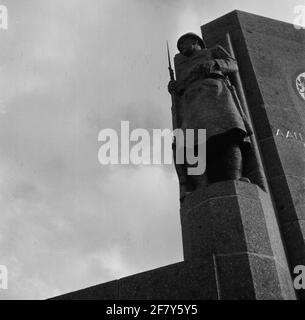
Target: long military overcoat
{"points": [[204, 99]]}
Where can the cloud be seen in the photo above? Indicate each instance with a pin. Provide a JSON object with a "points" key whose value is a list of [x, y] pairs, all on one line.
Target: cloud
{"points": [[69, 69]]}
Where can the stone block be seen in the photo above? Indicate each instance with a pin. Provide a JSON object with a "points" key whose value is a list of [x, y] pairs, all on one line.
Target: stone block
{"points": [[240, 230], [186, 280], [289, 195], [294, 233], [250, 277], [230, 223], [283, 156]]}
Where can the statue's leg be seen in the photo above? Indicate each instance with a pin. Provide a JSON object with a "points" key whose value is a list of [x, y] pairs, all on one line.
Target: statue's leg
{"points": [[215, 167], [232, 159], [224, 157], [196, 181], [185, 186]]}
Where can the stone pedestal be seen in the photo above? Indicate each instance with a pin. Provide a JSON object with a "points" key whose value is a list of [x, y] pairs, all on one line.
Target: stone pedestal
{"points": [[234, 224], [271, 56]]}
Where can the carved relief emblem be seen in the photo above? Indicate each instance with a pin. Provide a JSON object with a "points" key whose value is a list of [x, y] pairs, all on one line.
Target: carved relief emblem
{"points": [[300, 84]]}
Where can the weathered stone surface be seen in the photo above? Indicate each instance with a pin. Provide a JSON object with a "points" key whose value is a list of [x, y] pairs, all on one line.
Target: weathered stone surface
{"points": [[232, 247], [274, 233], [277, 51], [248, 276], [271, 281], [268, 120], [282, 31], [236, 228], [289, 194], [234, 222], [185, 280], [221, 189], [182, 281], [270, 55], [283, 155], [234, 277], [292, 156], [286, 283], [294, 233]]}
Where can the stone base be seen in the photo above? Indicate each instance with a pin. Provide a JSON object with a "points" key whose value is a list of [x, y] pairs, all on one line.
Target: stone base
{"points": [[233, 250], [234, 223], [180, 281]]}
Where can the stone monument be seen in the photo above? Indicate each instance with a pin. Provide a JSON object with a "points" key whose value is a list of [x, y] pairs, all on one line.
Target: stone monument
{"points": [[243, 227], [204, 98]]}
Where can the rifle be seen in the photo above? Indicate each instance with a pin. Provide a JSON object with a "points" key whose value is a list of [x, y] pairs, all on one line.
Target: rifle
{"points": [[173, 95], [180, 168]]}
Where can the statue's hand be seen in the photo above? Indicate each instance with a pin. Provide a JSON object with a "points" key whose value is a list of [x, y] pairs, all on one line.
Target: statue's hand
{"points": [[209, 66], [172, 86]]}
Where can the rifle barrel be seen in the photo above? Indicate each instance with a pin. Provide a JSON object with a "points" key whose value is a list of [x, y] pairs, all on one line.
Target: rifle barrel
{"points": [[171, 71]]}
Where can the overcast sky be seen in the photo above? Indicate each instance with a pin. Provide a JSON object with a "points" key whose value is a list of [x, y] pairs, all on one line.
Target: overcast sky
{"points": [[69, 68]]}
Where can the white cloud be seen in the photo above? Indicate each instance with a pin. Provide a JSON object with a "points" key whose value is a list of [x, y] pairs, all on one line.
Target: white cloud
{"points": [[70, 69]]}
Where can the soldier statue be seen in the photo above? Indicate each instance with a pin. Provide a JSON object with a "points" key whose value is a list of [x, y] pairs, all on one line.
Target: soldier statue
{"points": [[204, 100]]}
